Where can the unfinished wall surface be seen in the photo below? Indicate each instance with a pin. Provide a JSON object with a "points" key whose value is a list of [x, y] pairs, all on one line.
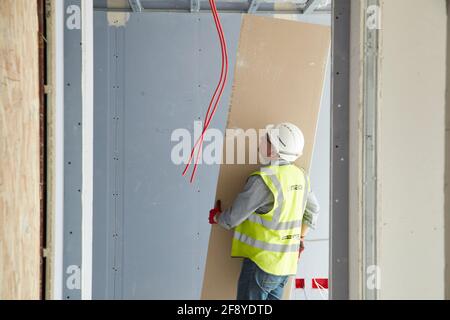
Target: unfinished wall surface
{"points": [[447, 165], [355, 161], [153, 75], [279, 77], [411, 149], [19, 151]]}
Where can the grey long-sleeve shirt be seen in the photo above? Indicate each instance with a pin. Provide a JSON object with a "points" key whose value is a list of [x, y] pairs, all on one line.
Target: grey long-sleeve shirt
{"points": [[257, 197]]}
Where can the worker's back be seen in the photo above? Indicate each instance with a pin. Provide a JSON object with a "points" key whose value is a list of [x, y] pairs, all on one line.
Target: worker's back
{"points": [[272, 240]]}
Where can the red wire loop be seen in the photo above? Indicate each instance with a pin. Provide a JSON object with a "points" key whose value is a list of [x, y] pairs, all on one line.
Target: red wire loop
{"points": [[215, 99]]}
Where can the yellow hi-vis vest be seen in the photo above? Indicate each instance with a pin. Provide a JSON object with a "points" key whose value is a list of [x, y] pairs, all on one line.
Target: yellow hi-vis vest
{"points": [[272, 240]]}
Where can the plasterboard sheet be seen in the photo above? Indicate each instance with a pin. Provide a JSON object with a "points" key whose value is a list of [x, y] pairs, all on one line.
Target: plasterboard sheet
{"points": [[279, 77]]}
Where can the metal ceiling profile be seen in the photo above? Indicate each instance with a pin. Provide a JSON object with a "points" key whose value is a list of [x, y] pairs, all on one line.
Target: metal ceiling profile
{"points": [[136, 5], [195, 5], [236, 6], [312, 5]]}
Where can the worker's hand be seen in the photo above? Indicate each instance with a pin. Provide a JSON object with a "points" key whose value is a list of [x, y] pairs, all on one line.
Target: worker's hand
{"points": [[214, 213], [302, 248]]}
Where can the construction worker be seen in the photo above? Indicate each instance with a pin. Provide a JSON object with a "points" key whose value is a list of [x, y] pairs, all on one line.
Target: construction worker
{"points": [[271, 216]]}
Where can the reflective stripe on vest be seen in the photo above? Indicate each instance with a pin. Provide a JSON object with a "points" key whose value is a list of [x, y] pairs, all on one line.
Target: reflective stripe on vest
{"points": [[264, 245], [275, 223], [272, 240]]}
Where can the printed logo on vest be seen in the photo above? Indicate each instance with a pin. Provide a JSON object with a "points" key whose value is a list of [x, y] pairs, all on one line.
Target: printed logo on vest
{"points": [[291, 237], [296, 187]]}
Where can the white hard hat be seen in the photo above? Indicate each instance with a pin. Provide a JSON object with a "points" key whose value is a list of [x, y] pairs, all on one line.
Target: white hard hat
{"points": [[287, 139]]}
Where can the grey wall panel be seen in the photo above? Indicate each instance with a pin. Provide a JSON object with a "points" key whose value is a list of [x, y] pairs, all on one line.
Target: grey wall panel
{"points": [[153, 76], [103, 236], [72, 150], [340, 119]]}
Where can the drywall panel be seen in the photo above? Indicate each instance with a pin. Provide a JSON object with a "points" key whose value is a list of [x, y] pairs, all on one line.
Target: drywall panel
{"points": [[279, 77], [411, 149], [153, 75], [103, 249], [19, 151], [320, 177], [72, 150]]}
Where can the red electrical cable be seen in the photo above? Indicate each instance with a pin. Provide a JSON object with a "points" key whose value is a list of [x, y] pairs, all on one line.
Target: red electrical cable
{"points": [[224, 49], [221, 84], [220, 88], [224, 60], [215, 92]]}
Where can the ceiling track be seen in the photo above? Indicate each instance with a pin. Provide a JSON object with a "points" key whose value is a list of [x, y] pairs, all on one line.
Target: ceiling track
{"points": [[195, 6], [208, 11]]}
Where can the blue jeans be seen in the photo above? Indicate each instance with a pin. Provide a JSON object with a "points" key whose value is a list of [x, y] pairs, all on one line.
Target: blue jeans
{"points": [[256, 284]]}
